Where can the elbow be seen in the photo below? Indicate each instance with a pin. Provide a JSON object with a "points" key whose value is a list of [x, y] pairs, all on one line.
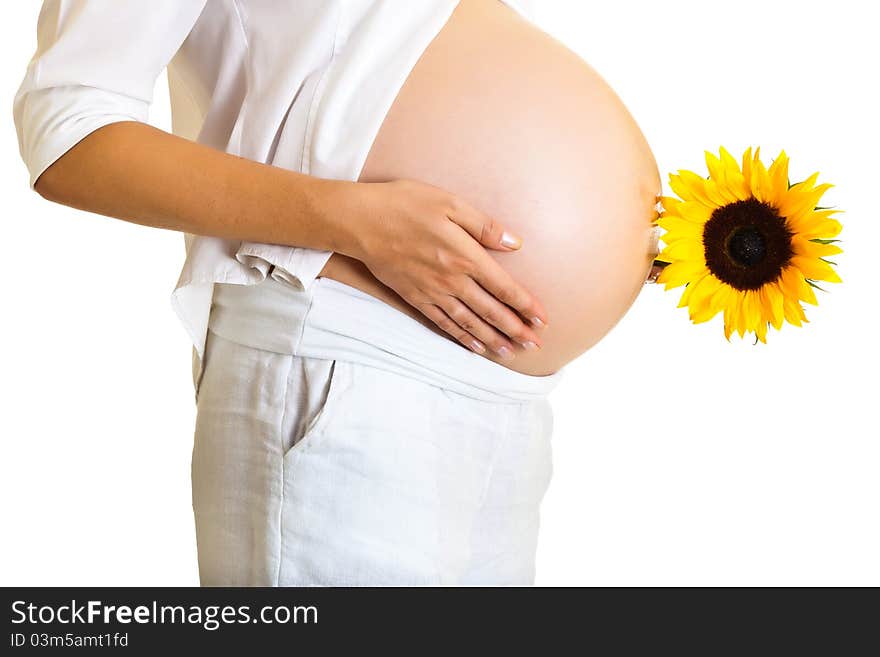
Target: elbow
{"points": [[66, 179], [49, 186], [53, 123]]}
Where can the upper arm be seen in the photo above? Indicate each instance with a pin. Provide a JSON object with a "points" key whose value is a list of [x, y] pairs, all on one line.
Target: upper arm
{"points": [[96, 63]]}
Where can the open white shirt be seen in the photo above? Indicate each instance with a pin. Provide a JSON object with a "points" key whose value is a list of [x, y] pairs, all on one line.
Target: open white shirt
{"points": [[299, 84]]}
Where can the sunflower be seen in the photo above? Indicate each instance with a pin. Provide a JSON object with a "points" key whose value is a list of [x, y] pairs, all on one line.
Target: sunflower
{"points": [[747, 242]]}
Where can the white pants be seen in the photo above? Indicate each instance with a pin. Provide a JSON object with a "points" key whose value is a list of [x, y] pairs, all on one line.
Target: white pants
{"points": [[339, 442]]}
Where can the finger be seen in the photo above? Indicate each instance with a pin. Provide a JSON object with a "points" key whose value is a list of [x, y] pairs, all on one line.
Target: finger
{"points": [[467, 320], [497, 282], [487, 230], [447, 324], [502, 320], [656, 268]]}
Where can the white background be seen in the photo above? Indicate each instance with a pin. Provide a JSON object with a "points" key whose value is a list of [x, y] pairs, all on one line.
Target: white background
{"points": [[679, 459]]}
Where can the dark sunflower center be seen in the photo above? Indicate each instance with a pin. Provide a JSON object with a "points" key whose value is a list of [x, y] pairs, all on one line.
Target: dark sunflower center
{"points": [[747, 244]]}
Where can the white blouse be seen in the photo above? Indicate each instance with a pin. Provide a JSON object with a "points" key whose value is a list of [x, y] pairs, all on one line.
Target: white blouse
{"points": [[299, 84]]}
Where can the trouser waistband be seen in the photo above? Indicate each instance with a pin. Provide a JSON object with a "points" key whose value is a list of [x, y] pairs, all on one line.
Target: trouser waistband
{"points": [[334, 320]]}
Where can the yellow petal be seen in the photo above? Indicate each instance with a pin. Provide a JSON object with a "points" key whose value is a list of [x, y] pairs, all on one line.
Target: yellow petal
{"points": [[796, 204], [743, 313], [813, 224], [749, 305], [761, 188], [735, 181], [727, 327], [735, 184], [682, 189], [702, 308], [713, 164], [679, 273], [722, 297], [760, 326], [720, 193], [729, 161], [694, 211], [676, 228], [753, 305], [703, 314], [788, 283], [669, 203], [731, 312], [778, 173], [747, 167], [775, 300], [793, 311], [689, 290], [827, 212], [696, 290], [761, 303], [766, 312], [761, 331], [806, 185], [719, 187], [696, 186], [682, 249], [806, 247], [805, 290], [795, 285], [815, 269]]}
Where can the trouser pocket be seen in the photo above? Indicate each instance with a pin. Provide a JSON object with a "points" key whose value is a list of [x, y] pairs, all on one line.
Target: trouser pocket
{"points": [[200, 366], [386, 489], [236, 491], [314, 388]]}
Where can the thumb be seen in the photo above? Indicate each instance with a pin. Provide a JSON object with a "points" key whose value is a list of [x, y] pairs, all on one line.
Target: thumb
{"points": [[492, 234], [487, 230]]}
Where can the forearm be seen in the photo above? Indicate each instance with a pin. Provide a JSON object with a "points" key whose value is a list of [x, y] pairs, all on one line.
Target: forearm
{"points": [[138, 173]]}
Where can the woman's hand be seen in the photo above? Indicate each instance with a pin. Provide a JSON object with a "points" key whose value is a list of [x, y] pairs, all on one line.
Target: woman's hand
{"points": [[656, 267], [419, 240], [429, 246]]}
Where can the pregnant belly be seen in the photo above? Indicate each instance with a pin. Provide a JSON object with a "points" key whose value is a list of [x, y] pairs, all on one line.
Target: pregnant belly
{"points": [[504, 115]]}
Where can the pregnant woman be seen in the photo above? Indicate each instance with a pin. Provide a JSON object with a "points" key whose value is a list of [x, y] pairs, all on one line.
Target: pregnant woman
{"points": [[402, 220]]}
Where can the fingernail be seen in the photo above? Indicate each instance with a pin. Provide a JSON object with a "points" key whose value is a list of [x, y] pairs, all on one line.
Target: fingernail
{"points": [[538, 323], [505, 353], [531, 346], [510, 241], [478, 346]]}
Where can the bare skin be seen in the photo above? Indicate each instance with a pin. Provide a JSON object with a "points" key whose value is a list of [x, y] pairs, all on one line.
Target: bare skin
{"points": [[135, 172], [546, 152], [508, 118]]}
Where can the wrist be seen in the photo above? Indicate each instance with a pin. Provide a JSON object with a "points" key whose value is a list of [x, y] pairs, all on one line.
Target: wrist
{"points": [[341, 209]]}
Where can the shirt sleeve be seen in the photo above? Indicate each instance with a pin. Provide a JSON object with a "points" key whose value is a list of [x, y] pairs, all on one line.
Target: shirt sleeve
{"points": [[96, 63]]}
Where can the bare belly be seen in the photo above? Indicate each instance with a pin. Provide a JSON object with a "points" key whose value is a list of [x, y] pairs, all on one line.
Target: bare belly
{"points": [[504, 115]]}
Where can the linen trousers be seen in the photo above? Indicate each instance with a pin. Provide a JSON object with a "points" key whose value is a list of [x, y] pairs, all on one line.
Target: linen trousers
{"points": [[340, 442]]}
